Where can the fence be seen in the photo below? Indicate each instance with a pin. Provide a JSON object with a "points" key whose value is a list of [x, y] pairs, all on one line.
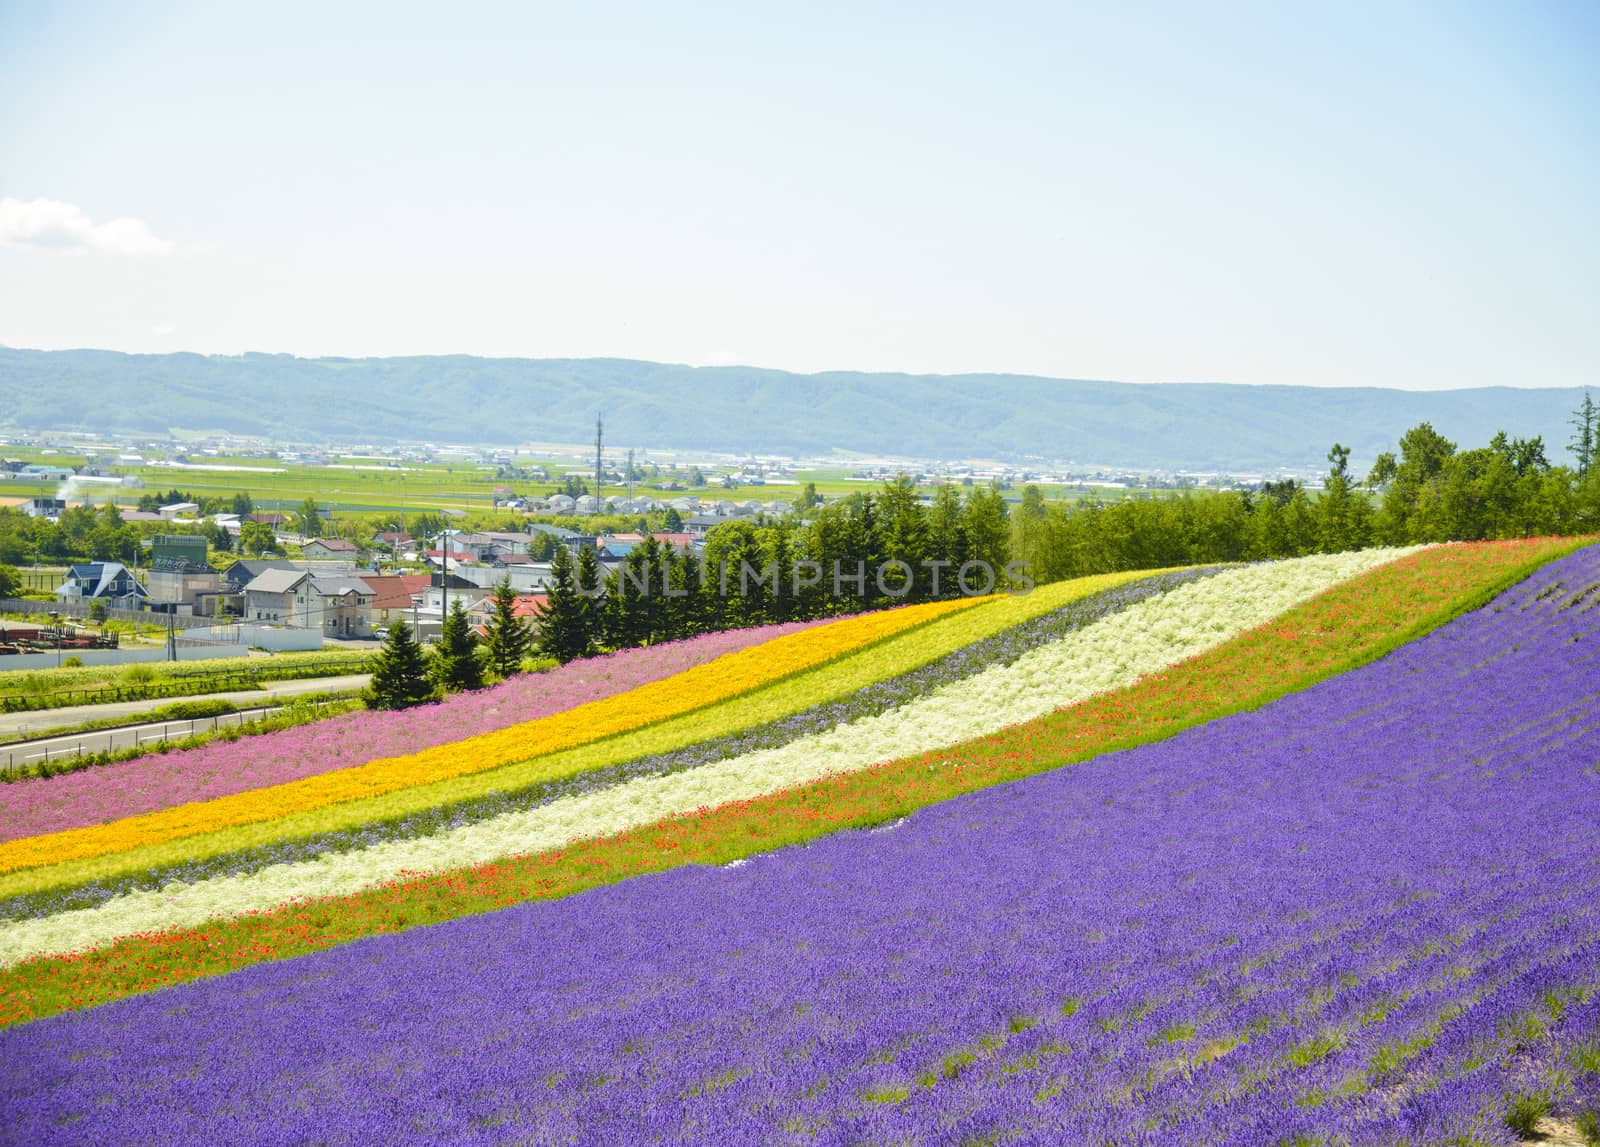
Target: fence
{"points": [[41, 579], [71, 607], [26, 754], [180, 687]]}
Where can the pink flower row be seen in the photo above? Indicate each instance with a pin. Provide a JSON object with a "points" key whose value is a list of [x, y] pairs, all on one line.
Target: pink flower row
{"points": [[221, 768]]}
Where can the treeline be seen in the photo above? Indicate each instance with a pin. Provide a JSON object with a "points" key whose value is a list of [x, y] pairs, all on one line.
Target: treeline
{"points": [[862, 552], [871, 550], [83, 533], [240, 504], [1429, 492]]}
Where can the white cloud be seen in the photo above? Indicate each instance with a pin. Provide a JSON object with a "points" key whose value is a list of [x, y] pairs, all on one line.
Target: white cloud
{"points": [[162, 330], [50, 225]]}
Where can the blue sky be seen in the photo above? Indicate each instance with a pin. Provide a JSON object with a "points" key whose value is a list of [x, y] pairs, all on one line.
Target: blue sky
{"points": [[1344, 194]]}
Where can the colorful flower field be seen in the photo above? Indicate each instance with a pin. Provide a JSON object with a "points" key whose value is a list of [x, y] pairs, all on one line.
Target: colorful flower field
{"points": [[1296, 853]]}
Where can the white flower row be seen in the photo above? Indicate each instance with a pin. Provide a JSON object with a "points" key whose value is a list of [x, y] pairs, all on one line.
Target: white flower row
{"points": [[1112, 653]]}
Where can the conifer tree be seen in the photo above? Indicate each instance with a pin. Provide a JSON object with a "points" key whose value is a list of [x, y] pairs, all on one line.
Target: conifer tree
{"points": [[455, 660], [591, 581], [509, 639], [1586, 439], [399, 673], [563, 626]]}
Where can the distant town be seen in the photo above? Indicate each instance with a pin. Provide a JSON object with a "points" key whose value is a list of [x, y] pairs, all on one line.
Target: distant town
{"points": [[289, 547]]}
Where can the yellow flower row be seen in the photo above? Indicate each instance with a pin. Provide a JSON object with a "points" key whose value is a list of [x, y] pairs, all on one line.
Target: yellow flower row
{"points": [[727, 676]]}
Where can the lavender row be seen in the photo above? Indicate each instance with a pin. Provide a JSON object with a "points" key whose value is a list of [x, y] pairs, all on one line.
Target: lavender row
{"points": [[1208, 940], [999, 649]]}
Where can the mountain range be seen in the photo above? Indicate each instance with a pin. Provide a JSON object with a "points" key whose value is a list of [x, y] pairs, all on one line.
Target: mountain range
{"points": [[463, 399]]}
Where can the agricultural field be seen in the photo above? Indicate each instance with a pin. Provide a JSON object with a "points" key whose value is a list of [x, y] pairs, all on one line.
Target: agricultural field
{"points": [[1299, 853], [355, 485]]}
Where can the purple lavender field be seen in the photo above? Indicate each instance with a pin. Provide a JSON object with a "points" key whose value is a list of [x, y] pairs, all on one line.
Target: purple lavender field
{"points": [[1367, 913]]}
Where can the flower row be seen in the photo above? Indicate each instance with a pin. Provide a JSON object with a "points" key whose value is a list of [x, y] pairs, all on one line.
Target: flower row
{"points": [[1345, 627], [1109, 654], [845, 676], [1367, 913], [861, 701], [727, 676], [222, 768]]}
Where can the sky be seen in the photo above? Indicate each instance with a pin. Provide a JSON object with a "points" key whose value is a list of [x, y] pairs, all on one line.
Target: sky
{"points": [[1311, 194]]}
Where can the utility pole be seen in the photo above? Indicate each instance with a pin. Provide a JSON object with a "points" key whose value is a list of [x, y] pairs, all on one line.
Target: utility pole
{"points": [[630, 474], [599, 465]]}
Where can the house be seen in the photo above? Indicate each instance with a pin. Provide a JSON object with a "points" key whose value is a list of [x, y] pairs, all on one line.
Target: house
{"points": [[508, 542], [394, 540], [179, 572], [323, 549], [395, 596], [269, 596], [50, 508], [275, 520], [242, 572], [340, 606], [699, 524], [175, 510], [434, 598], [110, 582], [525, 607], [141, 516], [678, 541], [474, 545], [559, 532]]}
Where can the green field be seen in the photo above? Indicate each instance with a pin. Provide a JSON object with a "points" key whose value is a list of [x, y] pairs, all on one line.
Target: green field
{"points": [[467, 486]]}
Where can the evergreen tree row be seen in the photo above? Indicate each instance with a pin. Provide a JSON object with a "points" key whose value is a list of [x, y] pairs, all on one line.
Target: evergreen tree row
{"points": [[862, 552], [1427, 492]]}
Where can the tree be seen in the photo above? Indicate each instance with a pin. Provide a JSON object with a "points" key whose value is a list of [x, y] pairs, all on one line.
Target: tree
{"points": [[591, 582], [255, 538], [1344, 513], [674, 521], [455, 660], [10, 581], [97, 611], [216, 537], [309, 519], [400, 673], [902, 537], [563, 624], [1586, 433], [508, 639], [426, 525], [243, 504], [808, 498], [696, 478]]}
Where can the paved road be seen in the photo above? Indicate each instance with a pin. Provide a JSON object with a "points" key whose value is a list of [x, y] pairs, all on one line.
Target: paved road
{"points": [[15, 724], [99, 741]]}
